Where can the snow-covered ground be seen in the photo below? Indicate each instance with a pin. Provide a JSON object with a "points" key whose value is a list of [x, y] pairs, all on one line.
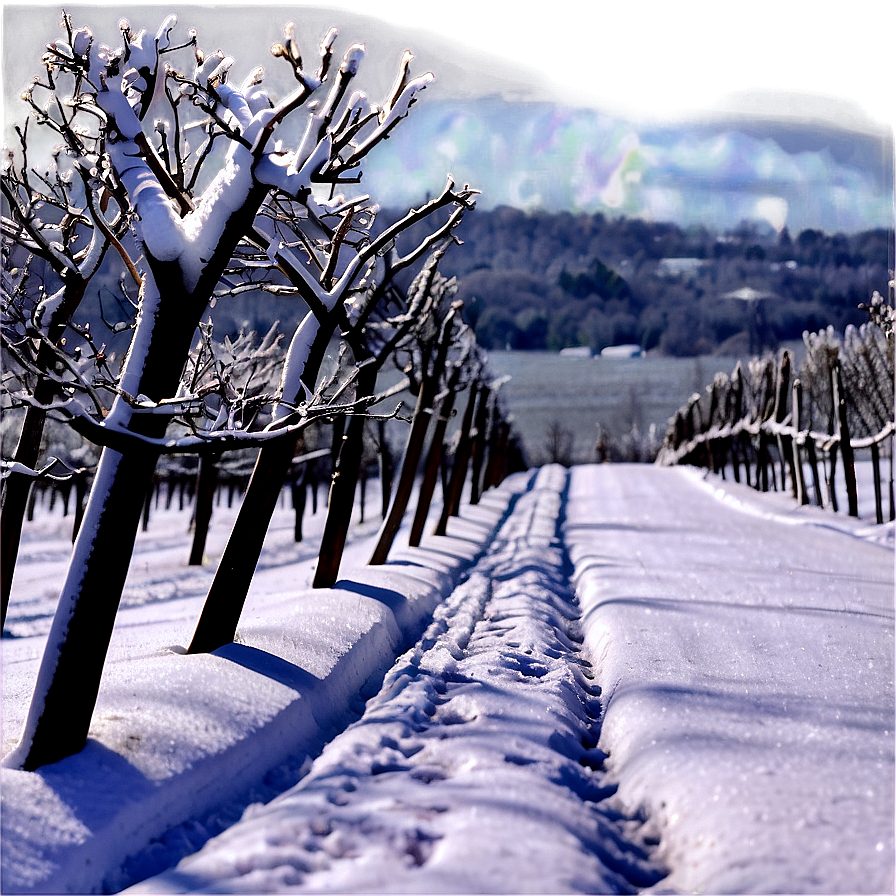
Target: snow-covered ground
{"points": [[628, 678]]}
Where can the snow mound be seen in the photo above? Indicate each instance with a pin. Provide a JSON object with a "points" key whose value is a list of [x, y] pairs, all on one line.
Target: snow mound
{"points": [[176, 737]]}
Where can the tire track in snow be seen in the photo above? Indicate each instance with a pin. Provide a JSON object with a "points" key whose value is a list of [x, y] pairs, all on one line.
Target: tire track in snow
{"points": [[475, 767]]}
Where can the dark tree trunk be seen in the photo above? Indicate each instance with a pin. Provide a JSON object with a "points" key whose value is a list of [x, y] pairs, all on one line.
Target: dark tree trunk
{"points": [[413, 450], [891, 490], [147, 502], [299, 489], [433, 464], [785, 449], [414, 447], [497, 467], [65, 492], [451, 502], [479, 439], [798, 478], [831, 482], [81, 480], [72, 664], [878, 490], [762, 463], [386, 469], [15, 489], [849, 466], [227, 595], [342, 490], [63, 719], [206, 483], [15, 504]]}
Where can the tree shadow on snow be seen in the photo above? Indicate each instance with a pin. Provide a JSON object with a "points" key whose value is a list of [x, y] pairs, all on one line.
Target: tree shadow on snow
{"points": [[269, 665]]}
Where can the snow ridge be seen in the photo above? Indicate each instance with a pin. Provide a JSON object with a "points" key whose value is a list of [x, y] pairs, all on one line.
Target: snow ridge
{"points": [[495, 693]]}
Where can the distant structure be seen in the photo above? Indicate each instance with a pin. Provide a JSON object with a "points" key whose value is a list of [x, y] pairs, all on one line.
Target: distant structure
{"points": [[685, 268], [757, 323], [578, 351], [622, 351]]}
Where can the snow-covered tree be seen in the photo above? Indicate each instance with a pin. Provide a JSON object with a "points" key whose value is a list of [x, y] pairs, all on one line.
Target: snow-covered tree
{"points": [[188, 245], [427, 372], [372, 342], [57, 225]]}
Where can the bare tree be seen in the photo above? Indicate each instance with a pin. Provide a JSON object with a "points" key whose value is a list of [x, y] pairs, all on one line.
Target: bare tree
{"points": [[372, 343], [185, 244], [55, 236], [337, 304], [432, 356]]}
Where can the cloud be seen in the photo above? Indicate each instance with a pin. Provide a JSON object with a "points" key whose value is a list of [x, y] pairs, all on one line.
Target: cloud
{"points": [[540, 155]]}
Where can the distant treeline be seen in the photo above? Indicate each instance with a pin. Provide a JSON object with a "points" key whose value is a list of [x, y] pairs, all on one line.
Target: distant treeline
{"points": [[548, 281], [552, 280]]}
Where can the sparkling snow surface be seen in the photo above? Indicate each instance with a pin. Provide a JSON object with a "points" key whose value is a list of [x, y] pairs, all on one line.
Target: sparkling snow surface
{"points": [[646, 680]]}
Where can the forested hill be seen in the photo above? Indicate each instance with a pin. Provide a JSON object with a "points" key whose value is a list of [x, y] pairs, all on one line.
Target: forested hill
{"points": [[541, 280]]}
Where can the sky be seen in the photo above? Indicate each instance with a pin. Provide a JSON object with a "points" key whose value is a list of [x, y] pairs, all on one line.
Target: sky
{"points": [[710, 112]]}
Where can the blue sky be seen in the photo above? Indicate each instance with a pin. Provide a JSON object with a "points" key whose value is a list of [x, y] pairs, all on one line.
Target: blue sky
{"points": [[714, 112]]}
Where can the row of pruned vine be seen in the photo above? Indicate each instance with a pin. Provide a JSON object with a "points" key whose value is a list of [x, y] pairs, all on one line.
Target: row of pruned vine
{"points": [[787, 428], [195, 187]]}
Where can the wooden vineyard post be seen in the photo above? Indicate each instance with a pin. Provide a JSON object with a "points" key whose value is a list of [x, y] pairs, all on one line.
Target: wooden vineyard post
{"points": [[712, 447], [451, 501], [479, 434], [849, 466], [496, 469], [206, 483], [892, 491], [812, 455], [785, 448], [737, 399], [878, 491], [797, 466]]}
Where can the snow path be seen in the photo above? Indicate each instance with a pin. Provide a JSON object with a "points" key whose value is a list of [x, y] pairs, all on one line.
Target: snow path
{"points": [[179, 745], [741, 649], [745, 651], [488, 724]]}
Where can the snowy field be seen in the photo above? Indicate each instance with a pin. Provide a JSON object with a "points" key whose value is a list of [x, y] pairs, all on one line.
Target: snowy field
{"points": [[613, 679]]}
